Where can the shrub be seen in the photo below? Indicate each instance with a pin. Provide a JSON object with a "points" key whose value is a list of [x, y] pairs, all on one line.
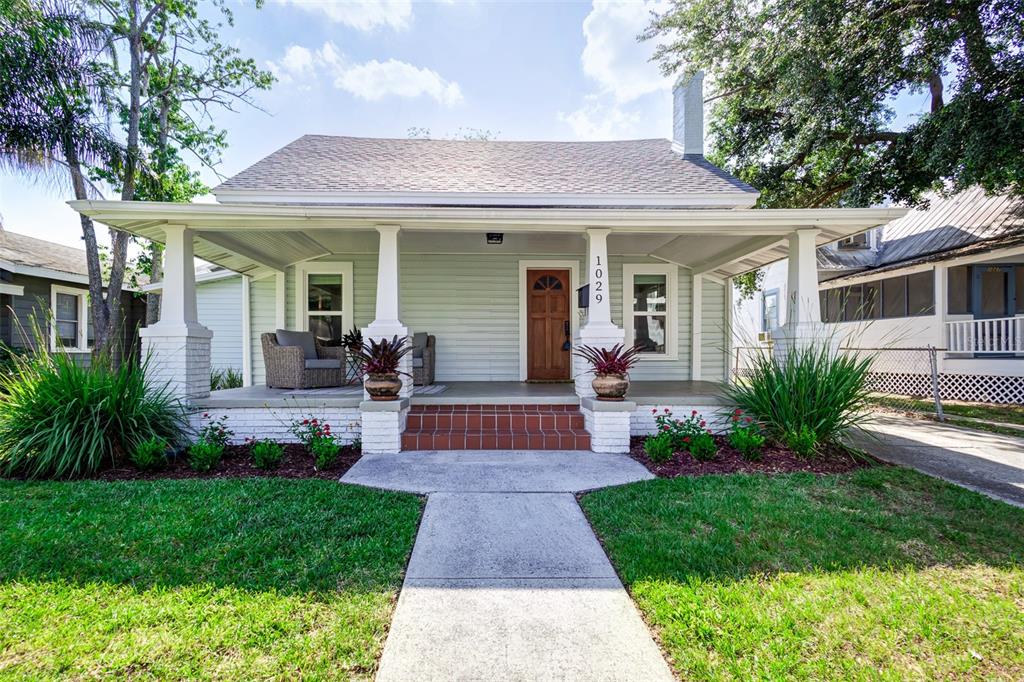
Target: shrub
{"points": [[204, 455], [813, 388], [659, 448], [745, 436], [266, 454], [325, 450], [61, 419], [803, 442], [702, 446], [150, 454], [215, 430], [221, 379], [682, 431]]}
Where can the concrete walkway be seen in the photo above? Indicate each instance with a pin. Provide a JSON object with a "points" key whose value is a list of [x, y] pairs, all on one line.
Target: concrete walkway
{"points": [[989, 463], [507, 580]]}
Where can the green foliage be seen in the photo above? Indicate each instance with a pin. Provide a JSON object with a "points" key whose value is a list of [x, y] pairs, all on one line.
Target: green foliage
{"points": [[802, 441], [745, 435], [266, 454], [325, 450], [221, 379], [811, 388], [660, 447], [150, 454], [702, 446], [682, 431], [61, 419], [748, 284], [215, 430], [803, 108], [382, 356], [204, 455]]}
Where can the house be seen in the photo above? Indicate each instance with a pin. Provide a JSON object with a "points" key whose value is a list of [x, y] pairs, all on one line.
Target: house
{"points": [[509, 253], [949, 276], [40, 282]]}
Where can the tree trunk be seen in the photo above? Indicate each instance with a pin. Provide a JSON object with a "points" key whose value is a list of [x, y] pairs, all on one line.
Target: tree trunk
{"points": [[156, 253]]}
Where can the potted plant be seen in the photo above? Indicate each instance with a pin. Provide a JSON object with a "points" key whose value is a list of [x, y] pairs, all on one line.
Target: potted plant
{"points": [[380, 360], [352, 339], [611, 369]]}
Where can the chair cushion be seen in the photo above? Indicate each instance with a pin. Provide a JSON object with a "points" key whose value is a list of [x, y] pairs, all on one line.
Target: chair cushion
{"points": [[419, 344], [304, 340], [417, 362], [326, 363]]}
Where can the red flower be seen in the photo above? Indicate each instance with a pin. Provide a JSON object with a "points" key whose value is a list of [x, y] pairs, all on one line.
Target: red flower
{"points": [[315, 422], [686, 439], [738, 411], [703, 424], [654, 410], [748, 419], [694, 413], [305, 422], [667, 411], [735, 418], [205, 415]]}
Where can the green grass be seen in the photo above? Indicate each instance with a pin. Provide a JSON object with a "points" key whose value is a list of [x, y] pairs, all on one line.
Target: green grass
{"points": [[879, 574], [1011, 414], [229, 580]]}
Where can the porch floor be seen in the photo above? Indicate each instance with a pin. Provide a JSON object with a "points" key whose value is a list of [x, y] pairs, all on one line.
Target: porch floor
{"points": [[465, 393]]}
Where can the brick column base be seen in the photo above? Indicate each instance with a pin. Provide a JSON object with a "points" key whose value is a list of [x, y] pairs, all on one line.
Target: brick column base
{"points": [[178, 357], [383, 422], [608, 424]]}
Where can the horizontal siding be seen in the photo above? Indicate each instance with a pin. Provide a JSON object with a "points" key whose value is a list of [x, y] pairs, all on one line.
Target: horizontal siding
{"points": [[713, 331], [262, 316], [220, 310]]}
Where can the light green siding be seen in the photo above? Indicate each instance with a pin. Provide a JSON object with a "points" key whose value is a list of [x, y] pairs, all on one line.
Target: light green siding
{"points": [[262, 314], [219, 303], [714, 333]]}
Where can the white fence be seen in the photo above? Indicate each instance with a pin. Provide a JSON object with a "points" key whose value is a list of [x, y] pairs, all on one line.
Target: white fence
{"points": [[995, 335]]}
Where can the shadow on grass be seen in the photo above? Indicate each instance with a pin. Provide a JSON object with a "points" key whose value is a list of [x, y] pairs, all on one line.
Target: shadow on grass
{"points": [[736, 527], [290, 537]]}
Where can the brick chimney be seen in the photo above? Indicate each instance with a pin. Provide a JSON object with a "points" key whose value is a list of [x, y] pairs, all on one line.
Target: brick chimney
{"points": [[688, 115]]}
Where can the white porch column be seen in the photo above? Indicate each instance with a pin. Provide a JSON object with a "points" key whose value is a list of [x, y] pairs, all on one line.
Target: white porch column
{"points": [[177, 346], [386, 323], [599, 331], [803, 314]]}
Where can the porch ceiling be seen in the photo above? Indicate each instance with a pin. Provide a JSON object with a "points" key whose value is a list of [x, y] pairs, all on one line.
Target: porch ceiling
{"points": [[258, 239]]}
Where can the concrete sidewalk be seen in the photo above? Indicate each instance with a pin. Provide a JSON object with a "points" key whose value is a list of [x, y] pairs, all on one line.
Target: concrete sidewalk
{"points": [[989, 463], [510, 584]]}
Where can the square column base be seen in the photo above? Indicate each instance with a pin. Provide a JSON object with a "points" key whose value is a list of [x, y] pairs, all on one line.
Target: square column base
{"points": [[178, 357], [603, 336], [608, 423], [383, 422]]}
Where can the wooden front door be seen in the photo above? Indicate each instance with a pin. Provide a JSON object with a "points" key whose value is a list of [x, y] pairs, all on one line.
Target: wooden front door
{"points": [[547, 325]]}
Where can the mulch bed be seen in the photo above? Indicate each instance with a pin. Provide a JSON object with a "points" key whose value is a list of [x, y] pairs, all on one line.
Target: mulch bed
{"points": [[728, 460], [237, 463]]}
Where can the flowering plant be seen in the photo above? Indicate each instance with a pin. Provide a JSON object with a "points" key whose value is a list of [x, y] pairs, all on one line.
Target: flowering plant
{"points": [[614, 360], [316, 435], [745, 435], [689, 434], [215, 430]]}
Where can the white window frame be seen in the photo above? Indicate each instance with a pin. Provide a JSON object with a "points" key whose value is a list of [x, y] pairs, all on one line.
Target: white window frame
{"points": [[671, 273], [302, 272], [82, 346]]}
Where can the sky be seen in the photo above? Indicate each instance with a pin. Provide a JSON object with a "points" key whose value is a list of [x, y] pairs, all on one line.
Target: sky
{"points": [[522, 70]]}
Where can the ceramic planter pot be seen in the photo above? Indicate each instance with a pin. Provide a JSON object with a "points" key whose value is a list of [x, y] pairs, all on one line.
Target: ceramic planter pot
{"points": [[610, 386], [383, 386]]}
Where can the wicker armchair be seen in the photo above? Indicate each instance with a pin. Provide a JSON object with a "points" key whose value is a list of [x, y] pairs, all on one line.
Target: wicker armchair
{"points": [[423, 363], [286, 365]]}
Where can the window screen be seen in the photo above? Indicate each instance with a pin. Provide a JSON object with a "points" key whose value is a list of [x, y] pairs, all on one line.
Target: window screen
{"points": [[921, 293], [872, 300], [894, 297], [958, 290], [854, 305], [1019, 280]]}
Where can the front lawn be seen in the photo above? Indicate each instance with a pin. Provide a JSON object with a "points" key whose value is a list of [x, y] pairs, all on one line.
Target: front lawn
{"points": [[879, 573], [228, 579]]}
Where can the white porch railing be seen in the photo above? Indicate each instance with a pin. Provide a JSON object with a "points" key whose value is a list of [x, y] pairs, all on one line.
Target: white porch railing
{"points": [[995, 335]]}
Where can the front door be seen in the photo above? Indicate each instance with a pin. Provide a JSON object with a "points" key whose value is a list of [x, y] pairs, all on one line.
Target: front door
{"points": [[547, 325]]}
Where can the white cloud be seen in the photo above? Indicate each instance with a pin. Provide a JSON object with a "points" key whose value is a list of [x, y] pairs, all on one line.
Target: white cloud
{"points": [[372, 80], [364, 15], [613, 57], [598, 121]]}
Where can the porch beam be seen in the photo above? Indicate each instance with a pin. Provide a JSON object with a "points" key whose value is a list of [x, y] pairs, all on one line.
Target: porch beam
{"points": [[234, 246], [746, 249]]}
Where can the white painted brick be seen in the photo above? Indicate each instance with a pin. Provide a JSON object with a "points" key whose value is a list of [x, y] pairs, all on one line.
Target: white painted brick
{"points": [[275, 422], [642, 420]]}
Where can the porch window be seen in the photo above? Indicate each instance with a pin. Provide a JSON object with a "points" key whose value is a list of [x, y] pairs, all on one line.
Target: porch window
{"points": [[69, 329], [958, 290], [770, 310], [650, 308], [324, 300], [892, 297]]}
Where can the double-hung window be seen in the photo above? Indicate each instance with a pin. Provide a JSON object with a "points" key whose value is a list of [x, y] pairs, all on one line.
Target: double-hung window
{"points": [[649, 308], [323, 300], [69, 324]]}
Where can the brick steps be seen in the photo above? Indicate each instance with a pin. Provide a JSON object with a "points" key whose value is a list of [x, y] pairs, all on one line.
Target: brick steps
{"points": [[495, 427]]}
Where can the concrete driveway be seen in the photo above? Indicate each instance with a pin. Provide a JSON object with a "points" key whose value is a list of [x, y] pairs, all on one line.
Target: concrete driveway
{"points": [[507, 581], [989, 463]]}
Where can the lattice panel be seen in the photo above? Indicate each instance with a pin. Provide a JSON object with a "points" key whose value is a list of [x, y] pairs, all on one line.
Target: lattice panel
{"points": [[969, 387]]}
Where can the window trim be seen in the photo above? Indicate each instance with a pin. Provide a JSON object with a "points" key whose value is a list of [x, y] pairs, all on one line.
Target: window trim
{"points": [[671, 273], [764, 294], [303, 270], [82, 346]]}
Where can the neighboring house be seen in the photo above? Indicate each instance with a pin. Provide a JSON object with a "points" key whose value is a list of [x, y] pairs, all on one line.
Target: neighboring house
{"points": [[45, 282], [484, 245], [949, 276]]}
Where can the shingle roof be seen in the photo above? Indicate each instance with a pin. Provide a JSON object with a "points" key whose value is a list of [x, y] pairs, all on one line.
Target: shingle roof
{"points": [[39, 253], [948, 224], [323, 163]]}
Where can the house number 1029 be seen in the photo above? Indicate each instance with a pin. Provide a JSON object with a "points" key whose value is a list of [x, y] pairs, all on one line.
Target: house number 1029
{"points": [[598, 283]]}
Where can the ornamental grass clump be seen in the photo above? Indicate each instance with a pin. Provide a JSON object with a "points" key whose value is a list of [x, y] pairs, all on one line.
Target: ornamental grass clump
{"points": [[62, 419], [811, 396]]}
